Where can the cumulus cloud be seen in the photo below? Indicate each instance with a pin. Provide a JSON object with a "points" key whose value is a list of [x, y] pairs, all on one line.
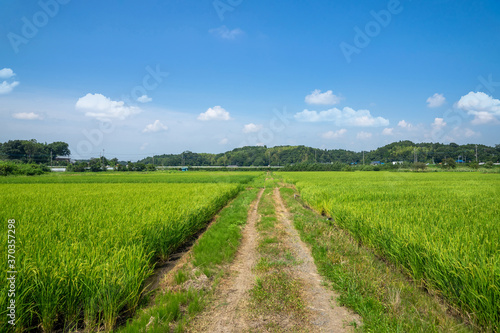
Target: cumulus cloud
{"points": [[388, 131], [223, 141], [470, 133], [438, 123], [483, 107], [157, 126], [226, 33], [6, 73], [436, 100], [102, 108], [334, 135], [215, 113], [27, 116], [319, 98], [404, 124], [251, 128], [144, 99], [363, 135], [5, 86], [344, 117]]}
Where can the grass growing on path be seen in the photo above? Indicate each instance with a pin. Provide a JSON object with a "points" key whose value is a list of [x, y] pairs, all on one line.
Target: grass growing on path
{"points": [[276, 293], [385, 299]]}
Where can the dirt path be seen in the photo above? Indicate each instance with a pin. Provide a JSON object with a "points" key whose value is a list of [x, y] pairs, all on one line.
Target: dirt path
{"points": [[327, 315], [230, 309], [227, 313]]}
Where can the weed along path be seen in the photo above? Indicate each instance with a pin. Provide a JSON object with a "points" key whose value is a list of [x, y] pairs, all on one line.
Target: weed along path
{"points": [[326, 315], [273, 285], [228, 314]]}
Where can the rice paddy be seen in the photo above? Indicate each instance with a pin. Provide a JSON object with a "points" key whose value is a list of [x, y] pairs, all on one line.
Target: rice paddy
{"points": [[444, 229], [85, 249]]}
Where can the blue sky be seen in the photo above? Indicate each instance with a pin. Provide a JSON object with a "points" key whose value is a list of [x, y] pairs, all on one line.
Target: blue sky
{"points": [[136, 78]]}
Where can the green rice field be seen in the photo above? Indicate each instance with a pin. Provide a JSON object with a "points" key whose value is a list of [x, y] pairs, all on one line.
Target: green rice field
{"points": [[443, 228], [85, 244]]}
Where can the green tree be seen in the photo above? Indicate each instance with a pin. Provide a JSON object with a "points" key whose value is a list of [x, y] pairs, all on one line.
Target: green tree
{"points": [[419, 166], [488, 165], [474, 165], [59, 148], [95, 165], [449, 163], [140, 167]]}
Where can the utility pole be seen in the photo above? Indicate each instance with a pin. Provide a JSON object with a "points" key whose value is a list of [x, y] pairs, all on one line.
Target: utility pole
{"points": [[153, 159], [414, 155], [363, 157], [51, 158], [476, 153]]}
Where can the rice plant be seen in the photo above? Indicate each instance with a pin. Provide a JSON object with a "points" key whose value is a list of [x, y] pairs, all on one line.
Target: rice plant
{"points": [[443, 228], [85, 250]]}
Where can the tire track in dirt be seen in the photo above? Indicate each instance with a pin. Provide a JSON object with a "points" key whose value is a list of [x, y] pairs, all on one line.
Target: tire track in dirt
{"points": [[230, 309], [227, 314], [326, 314]]}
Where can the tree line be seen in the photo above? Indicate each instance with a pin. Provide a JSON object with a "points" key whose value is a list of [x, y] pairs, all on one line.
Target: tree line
{"points": [[402, 151], [294, 157], [31, 151]]}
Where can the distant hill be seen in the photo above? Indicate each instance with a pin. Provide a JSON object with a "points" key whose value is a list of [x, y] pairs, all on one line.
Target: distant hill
{"points": [[405, 151]]}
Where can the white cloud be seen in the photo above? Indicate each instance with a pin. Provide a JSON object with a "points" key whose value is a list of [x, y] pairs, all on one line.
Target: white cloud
{"points": [[6, 87], [483, 117], [334, 135], [223, 141], [319, 98], [215, 113], [404, 124], [144, 99], [6, 73], [144, 145], [470, 133], [225, 33], [251, 128], [157, 126], [363, 135], [483, 107], [27, 116], [344, 117], [438, 123], [102, 108], [388, 131], [436, 100]]}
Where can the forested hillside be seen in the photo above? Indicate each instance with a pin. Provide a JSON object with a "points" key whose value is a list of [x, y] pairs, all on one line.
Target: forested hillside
{"points": [[406, 151]]}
